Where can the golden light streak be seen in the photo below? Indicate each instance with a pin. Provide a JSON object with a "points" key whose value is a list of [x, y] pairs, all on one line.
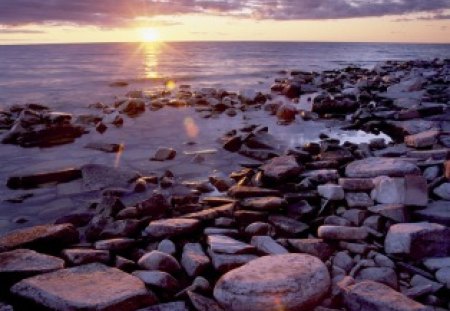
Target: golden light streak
{"points": [[190, 127]]}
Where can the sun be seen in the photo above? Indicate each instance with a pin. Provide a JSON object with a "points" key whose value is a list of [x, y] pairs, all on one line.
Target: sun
{"points": [[149, 34]]}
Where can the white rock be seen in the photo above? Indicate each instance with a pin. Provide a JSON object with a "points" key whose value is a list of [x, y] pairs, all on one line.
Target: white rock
{"points": [[331, 192]]}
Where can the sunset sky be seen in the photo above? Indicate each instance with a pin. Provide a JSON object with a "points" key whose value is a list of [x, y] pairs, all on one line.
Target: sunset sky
{"points": [[60, 21]]}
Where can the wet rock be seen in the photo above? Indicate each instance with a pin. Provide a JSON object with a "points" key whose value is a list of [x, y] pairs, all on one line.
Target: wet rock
{"points": [[21, 263], [286, 112], [386, 276], [80, 256], [268, 246], [281, 168], [226, 245], [154, 206], [163, 154], [294, 281], [314, 247], [167, 228], [331, 192], [133, 107], [156, 260], [373, 296], [158, 279], [42, 237], [233, 144], [194, 260], [342, 233], [96, 226], [98, 177], [264, 204], [331, 106], [42, 179], [443, 191], [105, 147], [373, 167], [71, 289], [418, 240], [80, 219], [423, 139]]}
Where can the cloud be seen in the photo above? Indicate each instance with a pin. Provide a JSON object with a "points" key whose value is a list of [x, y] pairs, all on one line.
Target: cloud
{"points": [[20, 31], [116, 13]]}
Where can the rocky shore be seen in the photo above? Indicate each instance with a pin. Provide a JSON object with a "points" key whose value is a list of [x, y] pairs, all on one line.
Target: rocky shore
{"points": [[327, 225]]}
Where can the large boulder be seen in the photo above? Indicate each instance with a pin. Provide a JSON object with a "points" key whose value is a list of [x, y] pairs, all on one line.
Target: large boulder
{"points": [[373, 167], [282, 282], [88, 287]]}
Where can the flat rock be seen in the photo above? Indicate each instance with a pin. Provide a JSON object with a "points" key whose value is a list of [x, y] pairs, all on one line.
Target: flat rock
{"points": [[315, 247], [416, 192], [264, 204], [437, 212], [358, 200], [384, 275], [225, 245], [39, 179], [194, 260], [227, 262], [268, 246], [98, 177], [389, 190], [356, 184], [423, 139], [373, 296], [288, 226], [81, 256], [22, 263], [395, 212], [40, 237], [436, 263], [167, 228], [443, 191], [331, 192], [373, 167], [342, 233], [418, 240], [158, 279], [281, 168], [88, 287], [290, 281], [241, 192], [443, 276], [202, 303]]}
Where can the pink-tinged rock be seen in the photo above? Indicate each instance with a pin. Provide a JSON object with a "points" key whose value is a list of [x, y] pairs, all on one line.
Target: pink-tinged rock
{"points": [[286, 112], [280, 168], [342, 233], [281, 282], [423, 139], [373, 167], [416, 192], [167, 228], [21, 263], [89, 287]]}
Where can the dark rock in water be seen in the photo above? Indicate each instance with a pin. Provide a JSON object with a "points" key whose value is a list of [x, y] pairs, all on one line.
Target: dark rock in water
{"points": [[80, 219], [88, 287], [40, 237], [118, 84], [101, 127], [98, 177], [301, 282], [333, 106], [163, 154], [292, 91], [233, 144], [286, 112], [153, 206], [40, 179], [133, 107], [21, 263], [111, 148]]}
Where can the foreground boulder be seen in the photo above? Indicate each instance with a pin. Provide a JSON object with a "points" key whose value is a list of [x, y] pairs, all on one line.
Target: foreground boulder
{"points": [[40, 237], [373, 167], [373, 296], [89, 287], [282, 282]]}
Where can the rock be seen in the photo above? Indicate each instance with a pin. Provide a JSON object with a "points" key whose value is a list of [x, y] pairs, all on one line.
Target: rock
{"points": [[167, 246], [226, 245], [168, 228], [233, 144], [227, 262], [40, 179], [447, 169], [337, 221], [88, 287], [21, 263], [98, 177], [105, 147], [156, 260], [356, 184], [437, 212], [202, 303], [80, 256], [281, 168], [331, 192], [386, 276], [292, 91], [395, 212], [423, 139], [416, 192], [259, 228], [163, 154], [389, 190], [121, 228], [431, 173], [332, 106], [355, 216], [294, 281], [158, 279], [418, 240], [115, 245], [241, 192], [418, 280], [264, 204], [133, 107], [286, 112], [373, 167], [343, 261], [384, 261], [443, 191], [194, 260], [156, 205], [169, 306], [288, 226], [373, 296], [342, 233], [268, 246], [443, 276], [434, 264], [42, 237], [358, 200], [314, 247]]}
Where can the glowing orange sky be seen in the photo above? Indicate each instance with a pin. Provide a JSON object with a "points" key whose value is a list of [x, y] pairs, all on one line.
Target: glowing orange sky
{"points": [[198, 27]]}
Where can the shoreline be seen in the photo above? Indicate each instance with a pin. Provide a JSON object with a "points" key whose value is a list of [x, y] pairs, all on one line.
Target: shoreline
{"points": [[355, 208]]}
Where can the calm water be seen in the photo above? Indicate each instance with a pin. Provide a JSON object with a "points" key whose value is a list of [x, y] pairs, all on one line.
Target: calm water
{"points": [[79, 74]]}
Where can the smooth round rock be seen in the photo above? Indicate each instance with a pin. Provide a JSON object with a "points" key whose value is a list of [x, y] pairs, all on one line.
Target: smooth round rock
{"points": [[281, 282]]}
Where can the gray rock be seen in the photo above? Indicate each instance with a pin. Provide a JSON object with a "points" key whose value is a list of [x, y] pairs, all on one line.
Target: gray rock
{"points": [[356, 184], [268, 246], [343, 261], [395, 212], [158, 279], [202, 303], [281, 168], [418, 240], [431, 173], [168, 247], [337, 221], [80, 256], [373, 296], [249, 192], [88, 287], [418, 280], [331, 192], [416, 191], [294, 281], [115, 245], [22, 263], [389, 190], [443, 191], [259, 228], [384, 261], [373, 167], [163, 154], [194, 260], [167, 228], [227, 262], [437, 212], [436, 263], [40, 237], [226, 245], [314, 247], [355, 216], [156, 260], [98, 177], [286, 225], [443, 276], [358, 200], [342, 233], [386, 276]]}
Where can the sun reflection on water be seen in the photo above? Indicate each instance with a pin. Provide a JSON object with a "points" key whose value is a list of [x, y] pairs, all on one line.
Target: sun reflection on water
{"points": [[152, 51], [191, 127]]}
